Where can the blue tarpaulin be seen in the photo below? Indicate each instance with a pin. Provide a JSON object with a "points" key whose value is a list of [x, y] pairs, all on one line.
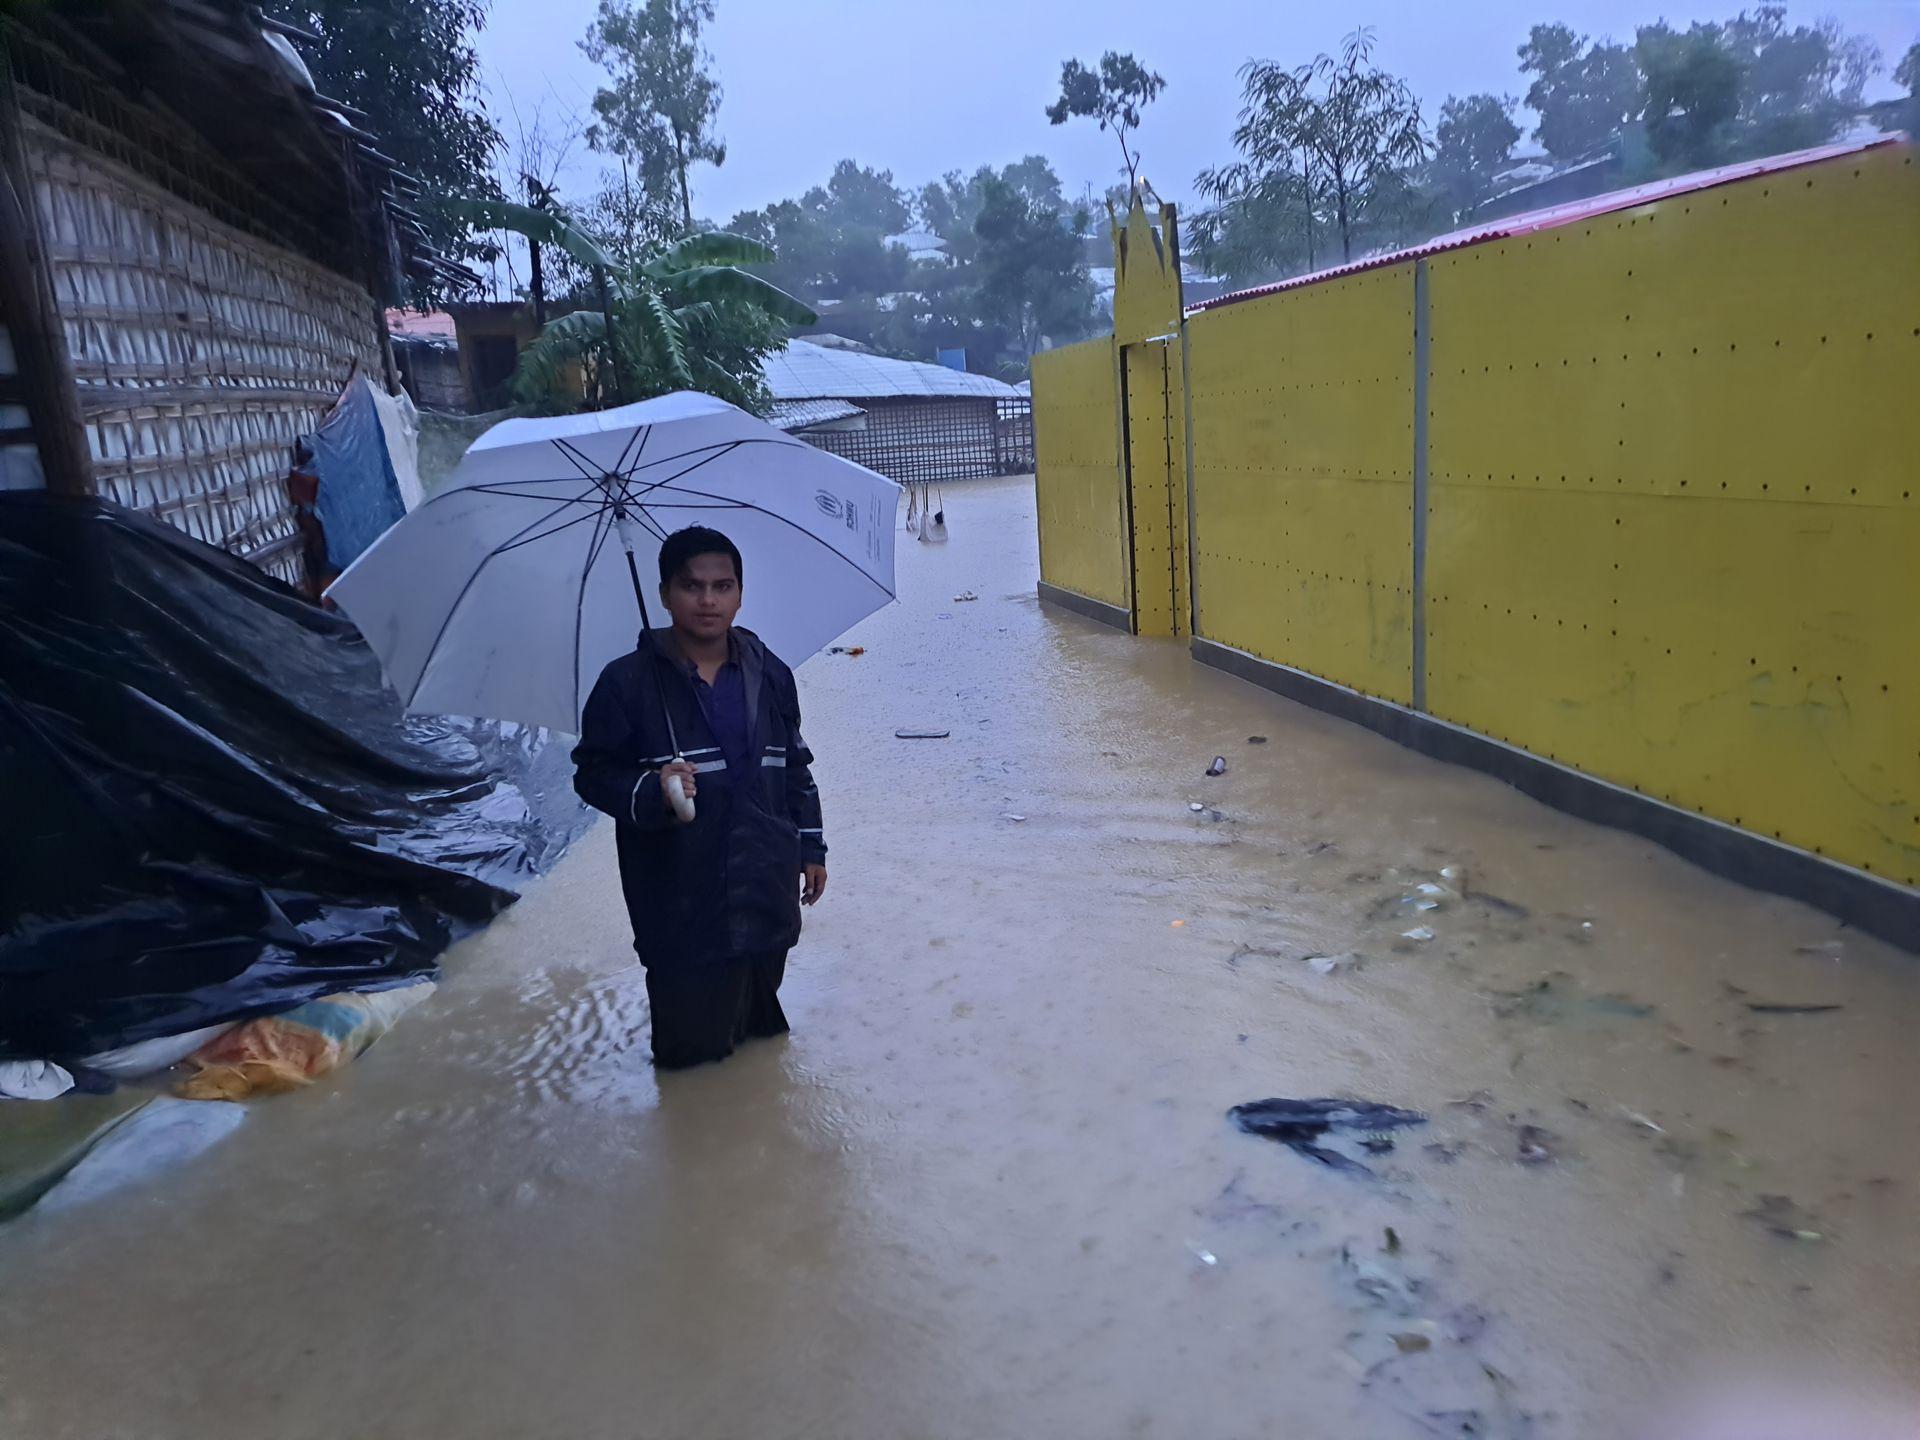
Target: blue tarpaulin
{"points": [[360, 492]]}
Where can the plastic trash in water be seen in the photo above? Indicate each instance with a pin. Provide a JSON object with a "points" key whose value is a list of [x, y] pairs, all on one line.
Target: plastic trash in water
{"points": [[162, 1135], [1301, 1125], [1202, 1254], [1419, 932], [1256, 739], [1218, 767], [33, 1080], [1196, 807], [1456, 876], [964, 597]]}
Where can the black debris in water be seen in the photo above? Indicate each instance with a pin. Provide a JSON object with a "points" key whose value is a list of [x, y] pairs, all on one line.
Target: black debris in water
{"points": [[1218, 767], [1764, 1008], [1780, 1215], [910, 734], [1301, 1124], [1534, 1145], [1256, 739]]}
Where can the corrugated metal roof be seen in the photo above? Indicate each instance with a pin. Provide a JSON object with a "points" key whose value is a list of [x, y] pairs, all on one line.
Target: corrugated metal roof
{"points": [[420, 324], [1570, 213], [810, 372], [799, 414]]}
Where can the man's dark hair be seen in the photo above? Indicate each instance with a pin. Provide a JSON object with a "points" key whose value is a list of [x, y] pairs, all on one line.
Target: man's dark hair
{"points": [[684, 545]]}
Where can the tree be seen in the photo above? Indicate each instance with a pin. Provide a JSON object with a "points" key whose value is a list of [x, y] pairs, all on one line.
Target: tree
{"points": [[1029, 272], [683, 316], [1715, 92], [1692, 88], [1474, 138], [410, 66], [1114, 95], [1346, 127], [951, 205], [1907, 72], [831, 242], [1583, 92], [658, 113], [1799, 86], [1259, 226]]}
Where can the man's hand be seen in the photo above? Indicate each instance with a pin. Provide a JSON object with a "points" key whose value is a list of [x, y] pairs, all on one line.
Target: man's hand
{"points": [[813, 883], [685, 772]]}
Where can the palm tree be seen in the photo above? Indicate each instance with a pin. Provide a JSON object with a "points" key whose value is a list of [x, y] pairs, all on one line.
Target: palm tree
{"points": [[682, 316]]}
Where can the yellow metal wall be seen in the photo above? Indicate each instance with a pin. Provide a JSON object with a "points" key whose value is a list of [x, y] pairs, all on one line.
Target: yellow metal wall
{"points": [[1076, 437], [1302, 415], [1156, 472], [1675, 501]]}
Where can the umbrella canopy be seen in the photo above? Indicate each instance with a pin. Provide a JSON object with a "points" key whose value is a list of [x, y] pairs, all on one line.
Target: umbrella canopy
{"points": [[507, 591]]}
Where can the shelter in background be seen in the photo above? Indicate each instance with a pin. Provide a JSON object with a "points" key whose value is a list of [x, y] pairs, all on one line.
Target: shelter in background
{"points": [[426, 352], [195, 246], [906, 419], [490, 335]]}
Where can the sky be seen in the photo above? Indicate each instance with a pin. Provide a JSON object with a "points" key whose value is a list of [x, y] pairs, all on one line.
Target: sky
{"points": [[923, 88]]}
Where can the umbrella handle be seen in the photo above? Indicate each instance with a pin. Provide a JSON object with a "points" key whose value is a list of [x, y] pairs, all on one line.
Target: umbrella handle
{"points": [[677, 796]]}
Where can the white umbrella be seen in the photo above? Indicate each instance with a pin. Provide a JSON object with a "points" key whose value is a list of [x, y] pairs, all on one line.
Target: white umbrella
{"points": [[507, 591]]}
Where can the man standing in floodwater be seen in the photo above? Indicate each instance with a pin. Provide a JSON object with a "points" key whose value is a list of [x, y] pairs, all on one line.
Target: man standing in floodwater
{"points": [[715, 900]]}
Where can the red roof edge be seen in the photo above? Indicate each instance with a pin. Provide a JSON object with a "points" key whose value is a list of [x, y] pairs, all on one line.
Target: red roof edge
{"points": [[1570, 213]]}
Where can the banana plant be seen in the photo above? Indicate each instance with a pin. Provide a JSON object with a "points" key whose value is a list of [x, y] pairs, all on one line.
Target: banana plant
{"points": [[683, 316]]}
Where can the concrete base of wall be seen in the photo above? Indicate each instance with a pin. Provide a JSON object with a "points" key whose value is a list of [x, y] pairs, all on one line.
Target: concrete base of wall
{"points": [[1085, 605], [1889, 911]]}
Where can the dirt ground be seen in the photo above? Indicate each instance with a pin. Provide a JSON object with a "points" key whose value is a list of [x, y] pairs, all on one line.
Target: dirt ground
{"points": [[988, 1187]]}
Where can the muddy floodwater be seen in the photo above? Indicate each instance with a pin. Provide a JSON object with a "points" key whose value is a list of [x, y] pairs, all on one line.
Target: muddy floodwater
{"points": [[988, 1187]]}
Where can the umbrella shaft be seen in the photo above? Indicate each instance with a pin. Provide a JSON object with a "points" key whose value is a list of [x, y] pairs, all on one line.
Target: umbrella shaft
{"points": [[646, 643]]}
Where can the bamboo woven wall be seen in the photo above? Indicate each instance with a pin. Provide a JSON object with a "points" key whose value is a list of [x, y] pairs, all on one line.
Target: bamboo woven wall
{"points": [[199, 353], [914, 440]]}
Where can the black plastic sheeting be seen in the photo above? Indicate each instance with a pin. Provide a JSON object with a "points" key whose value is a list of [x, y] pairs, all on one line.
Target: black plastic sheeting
{"points": [[211, 805]]}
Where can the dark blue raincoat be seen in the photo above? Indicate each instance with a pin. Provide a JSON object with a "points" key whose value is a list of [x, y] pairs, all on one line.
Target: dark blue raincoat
{"points": [[727, 885]]}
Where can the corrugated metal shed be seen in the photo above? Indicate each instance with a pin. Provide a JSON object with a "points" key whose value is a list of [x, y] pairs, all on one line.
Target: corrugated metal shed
{"points": [[1568, 214], [811, 372], [799, 414]]}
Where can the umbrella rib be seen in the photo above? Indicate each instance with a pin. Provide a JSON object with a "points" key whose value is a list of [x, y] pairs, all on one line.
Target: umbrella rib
{"points": [[806, 532], [595, 513], [454, 609], [600, 533], [639, 436], [582, 463], [721, 446], [659, 530], [629, 496]]}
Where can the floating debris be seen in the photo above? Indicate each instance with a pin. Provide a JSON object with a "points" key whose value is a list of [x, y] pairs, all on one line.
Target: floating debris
{"points": [[1558, 997], [965, 597], [847, 650], [1419, 932], [910, 734], [1256, 739], [1017, 819], [1218, 767], [1301, 1125], [1781, 1216], [1327, 964], [1767, 1007], [1535, 1145]]}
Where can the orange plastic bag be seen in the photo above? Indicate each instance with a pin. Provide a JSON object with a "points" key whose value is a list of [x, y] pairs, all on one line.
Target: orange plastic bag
{"points": [[277, 1053]]}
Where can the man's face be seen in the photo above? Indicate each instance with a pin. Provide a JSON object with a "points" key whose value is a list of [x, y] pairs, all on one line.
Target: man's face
{"points": [[704, 597]]}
